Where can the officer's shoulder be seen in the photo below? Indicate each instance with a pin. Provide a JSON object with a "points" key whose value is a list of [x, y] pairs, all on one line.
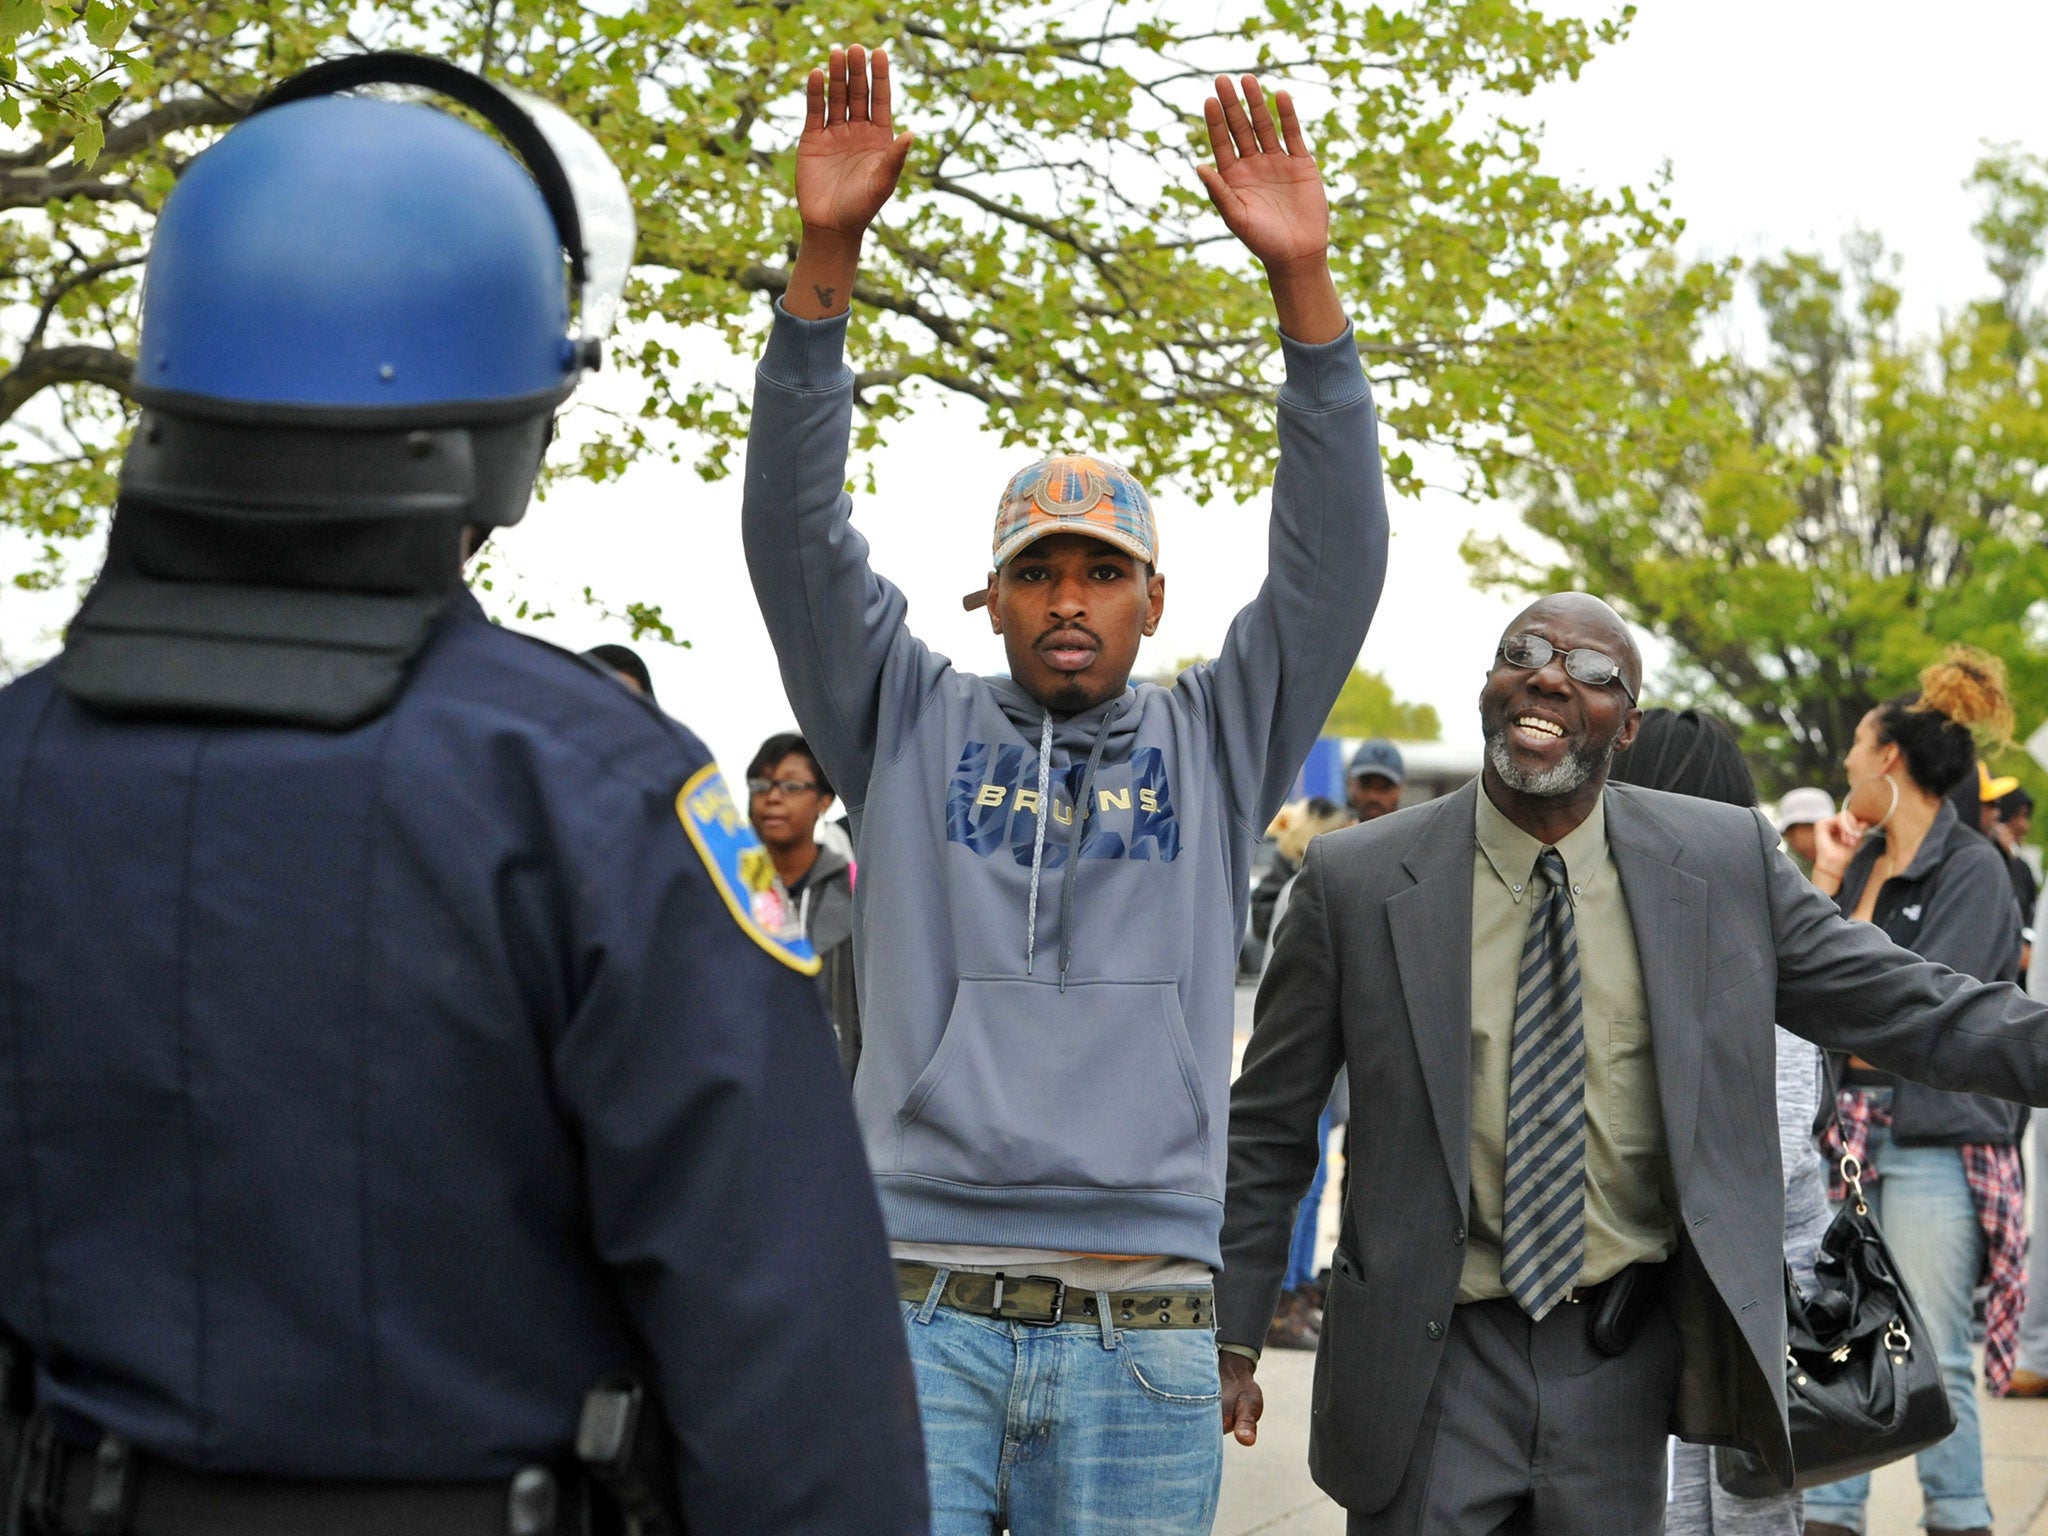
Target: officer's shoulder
{"points": [[35, 683], [535, 685], [24, 697]]}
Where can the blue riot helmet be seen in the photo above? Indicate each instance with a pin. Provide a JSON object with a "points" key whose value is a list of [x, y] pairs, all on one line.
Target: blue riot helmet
{"points": [[359, 317]]}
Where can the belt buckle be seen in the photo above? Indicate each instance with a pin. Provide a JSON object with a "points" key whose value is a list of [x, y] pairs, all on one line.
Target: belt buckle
{"points": [[1051, 1319]]}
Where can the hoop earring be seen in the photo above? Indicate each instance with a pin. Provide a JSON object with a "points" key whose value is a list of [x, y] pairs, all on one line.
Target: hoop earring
{"points": [[1893, 785]]}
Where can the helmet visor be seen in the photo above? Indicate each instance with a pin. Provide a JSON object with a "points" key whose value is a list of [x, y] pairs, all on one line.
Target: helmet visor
{"points": [[604, 211]]}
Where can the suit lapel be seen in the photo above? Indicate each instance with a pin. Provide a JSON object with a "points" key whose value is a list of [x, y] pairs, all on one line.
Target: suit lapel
{"points": [[1432, 930], [1667, 907]]}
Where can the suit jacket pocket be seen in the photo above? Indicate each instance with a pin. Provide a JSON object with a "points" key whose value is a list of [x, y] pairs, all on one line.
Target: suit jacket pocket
{"points": [[1371, 1382], [1093, 1087], [1732, 971]]}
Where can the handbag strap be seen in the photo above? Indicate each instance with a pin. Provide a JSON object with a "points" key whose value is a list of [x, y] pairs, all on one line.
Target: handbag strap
{"points": [[1851, 1166]]}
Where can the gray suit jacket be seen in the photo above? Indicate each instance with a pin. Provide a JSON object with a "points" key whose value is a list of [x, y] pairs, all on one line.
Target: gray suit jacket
{"points": [[1372, 967]]}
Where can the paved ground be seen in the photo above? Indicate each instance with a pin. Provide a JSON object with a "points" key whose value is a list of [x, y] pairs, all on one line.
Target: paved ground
{"points": [[1266, 1488]]}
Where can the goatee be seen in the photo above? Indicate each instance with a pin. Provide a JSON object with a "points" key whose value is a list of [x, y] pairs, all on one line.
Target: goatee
{"points": [[1583, 763]]}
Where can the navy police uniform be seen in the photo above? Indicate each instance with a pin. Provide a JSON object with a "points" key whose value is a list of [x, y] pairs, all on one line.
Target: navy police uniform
{"points": [[395, 1038], [373, 1094]]}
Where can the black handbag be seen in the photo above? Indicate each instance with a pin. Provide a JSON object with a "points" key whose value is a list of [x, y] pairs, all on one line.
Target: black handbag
{"points": [[1862, 1385]]}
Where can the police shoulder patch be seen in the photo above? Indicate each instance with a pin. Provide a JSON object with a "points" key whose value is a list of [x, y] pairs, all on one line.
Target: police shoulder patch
{"points": [[741, 869]]}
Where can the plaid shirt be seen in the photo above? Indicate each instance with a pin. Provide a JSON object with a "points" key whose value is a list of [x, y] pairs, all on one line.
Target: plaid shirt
{"points": [[1997, 1189]]}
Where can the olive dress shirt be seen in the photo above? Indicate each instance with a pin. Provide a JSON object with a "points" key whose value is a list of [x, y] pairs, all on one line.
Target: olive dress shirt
{"points": [[1628, 1213]]}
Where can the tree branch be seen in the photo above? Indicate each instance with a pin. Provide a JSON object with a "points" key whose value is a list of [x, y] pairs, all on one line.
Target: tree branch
{"points": [[144, 132], [69, 284], [33, 187], [43, 367]]}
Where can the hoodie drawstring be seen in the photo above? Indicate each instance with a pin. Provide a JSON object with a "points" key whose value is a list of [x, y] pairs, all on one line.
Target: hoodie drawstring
{"points": [[1038, 842], [1087, 798]]}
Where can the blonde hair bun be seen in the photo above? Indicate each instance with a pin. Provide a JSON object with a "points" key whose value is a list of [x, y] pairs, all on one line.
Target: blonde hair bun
{"points": [[1968, 685]]}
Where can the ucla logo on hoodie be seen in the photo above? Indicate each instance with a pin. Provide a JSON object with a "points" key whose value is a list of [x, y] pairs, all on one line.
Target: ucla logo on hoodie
{"points": [[993, 804]]}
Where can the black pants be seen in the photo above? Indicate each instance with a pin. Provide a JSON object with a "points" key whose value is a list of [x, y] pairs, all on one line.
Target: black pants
{"points": [[1530, 1431]]}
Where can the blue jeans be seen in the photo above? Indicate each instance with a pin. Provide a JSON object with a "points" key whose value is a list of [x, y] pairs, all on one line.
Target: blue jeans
{"points": [[1078, 1429], [1301, 1253], [1930, 1223]]}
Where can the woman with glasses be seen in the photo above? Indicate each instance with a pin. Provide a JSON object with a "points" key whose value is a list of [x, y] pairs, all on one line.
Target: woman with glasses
{"points": [[787, 796]]}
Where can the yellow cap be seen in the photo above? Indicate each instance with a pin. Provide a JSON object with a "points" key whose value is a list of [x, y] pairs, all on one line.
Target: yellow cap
{"points": [[1990, 789]]}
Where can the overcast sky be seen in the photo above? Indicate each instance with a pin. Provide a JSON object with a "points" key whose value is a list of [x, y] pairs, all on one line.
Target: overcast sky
{"points": [[1785, 124]]}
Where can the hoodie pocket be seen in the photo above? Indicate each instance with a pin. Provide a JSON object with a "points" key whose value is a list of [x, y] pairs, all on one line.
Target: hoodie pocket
{"points": [[1094, 1087]]}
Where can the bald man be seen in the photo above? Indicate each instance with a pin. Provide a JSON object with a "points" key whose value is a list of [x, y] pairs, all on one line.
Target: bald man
{"points": [[1556, 1000]]}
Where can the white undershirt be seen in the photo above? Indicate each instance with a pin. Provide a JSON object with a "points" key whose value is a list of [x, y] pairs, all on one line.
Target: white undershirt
{"points": [[1077, 1270]]}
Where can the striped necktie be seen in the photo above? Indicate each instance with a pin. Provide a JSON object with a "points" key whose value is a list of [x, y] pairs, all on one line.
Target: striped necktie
{"points": [[1543, 1231]]}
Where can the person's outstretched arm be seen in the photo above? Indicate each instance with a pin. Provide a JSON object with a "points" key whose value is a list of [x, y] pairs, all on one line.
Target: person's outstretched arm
{"points": [[1847, 987], [1288, 653], [853, 672]]}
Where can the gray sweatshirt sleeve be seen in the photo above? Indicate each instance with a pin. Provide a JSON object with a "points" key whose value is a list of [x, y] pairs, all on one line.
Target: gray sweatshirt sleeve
{"points": [[855, 675], [1269, 691]]}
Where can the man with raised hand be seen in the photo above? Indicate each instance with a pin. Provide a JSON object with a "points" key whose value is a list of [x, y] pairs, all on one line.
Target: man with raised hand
{"points": [[1054, 864]]}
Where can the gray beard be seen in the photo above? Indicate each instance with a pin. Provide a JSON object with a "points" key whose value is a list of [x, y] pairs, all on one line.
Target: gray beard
{"points": [[1579, 766]]}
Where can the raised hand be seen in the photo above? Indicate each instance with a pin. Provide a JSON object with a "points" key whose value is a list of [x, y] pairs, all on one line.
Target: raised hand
{"points": [[1835, 842], [849, 158], [1264, 182], [1266, 186]]}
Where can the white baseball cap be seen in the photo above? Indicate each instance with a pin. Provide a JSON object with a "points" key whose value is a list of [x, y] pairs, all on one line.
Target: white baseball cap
{"points": [[1801, 806]]}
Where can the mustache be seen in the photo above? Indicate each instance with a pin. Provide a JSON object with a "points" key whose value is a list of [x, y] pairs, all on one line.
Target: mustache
{"points": [[1068, 629]]}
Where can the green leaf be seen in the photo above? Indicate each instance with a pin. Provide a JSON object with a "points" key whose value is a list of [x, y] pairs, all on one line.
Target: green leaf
{"points": [[19, 17], [105, 23], [87, 143]]}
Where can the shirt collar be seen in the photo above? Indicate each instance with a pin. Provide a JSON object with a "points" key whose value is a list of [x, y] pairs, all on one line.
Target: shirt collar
{"points": [[1946, 828], [1512, 852]]}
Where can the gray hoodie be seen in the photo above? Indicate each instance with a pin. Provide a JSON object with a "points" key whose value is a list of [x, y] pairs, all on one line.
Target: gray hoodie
{"points": [[1046, 1005]]}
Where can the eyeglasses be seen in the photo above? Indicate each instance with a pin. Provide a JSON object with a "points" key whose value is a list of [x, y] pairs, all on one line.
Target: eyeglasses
{"points": [[1593, 668], [787, 786]]}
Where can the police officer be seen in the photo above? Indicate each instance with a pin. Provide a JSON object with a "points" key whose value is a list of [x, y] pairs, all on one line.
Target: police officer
{"points": [[395, 1035]]}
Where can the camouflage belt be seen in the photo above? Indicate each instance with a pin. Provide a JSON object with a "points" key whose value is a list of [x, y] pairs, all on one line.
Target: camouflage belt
{"points": [[1041, 1301]]}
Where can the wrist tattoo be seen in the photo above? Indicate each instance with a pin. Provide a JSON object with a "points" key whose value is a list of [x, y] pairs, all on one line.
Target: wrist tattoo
{"points": [[825, 295]]}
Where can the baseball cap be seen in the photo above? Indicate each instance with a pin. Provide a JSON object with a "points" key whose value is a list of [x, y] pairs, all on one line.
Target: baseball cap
{"points": [[1072, 493], [1803, 806], [1378, 756], [1990, 789]]}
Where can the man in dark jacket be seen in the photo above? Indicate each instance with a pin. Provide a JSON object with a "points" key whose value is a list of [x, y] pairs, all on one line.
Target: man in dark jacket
{"points": [[401, 1050], [1556, 1000]]}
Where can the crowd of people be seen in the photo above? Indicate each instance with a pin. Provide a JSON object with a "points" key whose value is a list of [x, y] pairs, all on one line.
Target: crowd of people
{"points": [[437, 1103], [1931, 829]]}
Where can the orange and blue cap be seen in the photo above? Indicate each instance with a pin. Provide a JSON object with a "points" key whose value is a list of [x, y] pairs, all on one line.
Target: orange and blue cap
{"points": [[1072, 493]]}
